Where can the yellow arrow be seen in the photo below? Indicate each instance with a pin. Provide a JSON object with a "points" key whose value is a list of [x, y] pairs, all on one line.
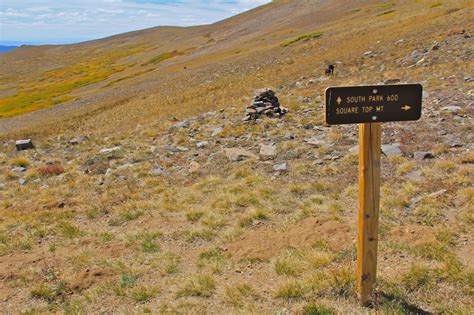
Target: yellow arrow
{"points": [[406, 107], [339, 100]]}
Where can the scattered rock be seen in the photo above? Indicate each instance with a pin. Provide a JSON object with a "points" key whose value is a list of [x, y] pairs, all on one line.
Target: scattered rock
{"points": [[217, 131], [19, 169], [437, 193], [202, 144], [180, 125], [354, 149], [268, 152], [194, 167], [236, 154], [391, 150], [22, 145], [158, 171], [110, 150], [22, 181], [392, 81], [451, 109], [422, 155], [289, 136], [283, 167], [77, 140], [265, 103], [453, 141], [316, 142], [173, 149]]}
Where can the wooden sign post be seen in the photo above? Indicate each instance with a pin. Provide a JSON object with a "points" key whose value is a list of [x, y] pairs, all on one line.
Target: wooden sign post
{"points": [[369, 199], [369, 106]]}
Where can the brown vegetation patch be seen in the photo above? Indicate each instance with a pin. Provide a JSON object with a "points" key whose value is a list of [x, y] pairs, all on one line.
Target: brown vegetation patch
{"points": [[88, 278], [413, 234], [264, 243]]}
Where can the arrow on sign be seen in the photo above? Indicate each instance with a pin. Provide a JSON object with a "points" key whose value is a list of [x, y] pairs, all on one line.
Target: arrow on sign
{"points": [[406, 108], [339, 100]]}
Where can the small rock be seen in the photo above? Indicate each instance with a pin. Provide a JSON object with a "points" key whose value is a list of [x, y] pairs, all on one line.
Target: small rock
{"points": [[392, 81], [77, 140], [22, 145], [108, 173], [110, 150], [217, 131], [451, 109], [316, 142], [202, 144], [438, 193], [283, 167], [422, 155], [180, 125], [194, 167], [392, 150], [268, 152], [289, 136], [2, 186], [173, 149], [18, 169], [236, 154], [318, 162], [22, 181], [354, 149], [158, 171], [453, 141]]}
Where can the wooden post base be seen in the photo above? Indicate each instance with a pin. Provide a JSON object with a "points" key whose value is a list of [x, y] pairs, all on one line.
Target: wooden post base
{"points": [[369, 199]]}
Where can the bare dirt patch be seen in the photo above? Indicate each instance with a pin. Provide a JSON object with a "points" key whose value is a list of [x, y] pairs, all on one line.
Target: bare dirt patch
{"points": [[264, 243]]}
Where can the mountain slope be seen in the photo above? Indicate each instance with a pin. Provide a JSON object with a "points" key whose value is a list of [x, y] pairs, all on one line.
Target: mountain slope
{"points": [[57, 72]]}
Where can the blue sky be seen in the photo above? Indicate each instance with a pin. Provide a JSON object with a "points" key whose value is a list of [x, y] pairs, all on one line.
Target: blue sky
{"points": [[69, 21]]}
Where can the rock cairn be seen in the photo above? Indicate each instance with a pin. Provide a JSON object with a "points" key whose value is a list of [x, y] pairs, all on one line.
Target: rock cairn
{"points": [[265, 103]]}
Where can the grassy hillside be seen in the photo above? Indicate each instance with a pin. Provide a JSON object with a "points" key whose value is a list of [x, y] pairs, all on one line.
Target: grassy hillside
{"points": [[163, 221]]}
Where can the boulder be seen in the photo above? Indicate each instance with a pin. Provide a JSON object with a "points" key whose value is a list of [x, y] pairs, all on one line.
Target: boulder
{"points": [[268, 152], [237, 154], [22, 145]]}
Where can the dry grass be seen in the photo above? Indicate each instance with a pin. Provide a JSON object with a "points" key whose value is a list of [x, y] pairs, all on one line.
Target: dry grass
{"points": [[176, 242]]}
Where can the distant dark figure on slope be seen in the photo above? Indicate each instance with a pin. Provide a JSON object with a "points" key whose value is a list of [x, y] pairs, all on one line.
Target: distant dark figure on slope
{"points": [[330, 70]]}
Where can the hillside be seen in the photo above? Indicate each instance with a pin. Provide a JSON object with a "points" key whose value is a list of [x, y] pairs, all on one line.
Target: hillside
{"points": [[147, 193]]}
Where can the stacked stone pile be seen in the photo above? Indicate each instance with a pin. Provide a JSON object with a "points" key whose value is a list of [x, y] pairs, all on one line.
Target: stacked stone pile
{"points": [[265, 103]]}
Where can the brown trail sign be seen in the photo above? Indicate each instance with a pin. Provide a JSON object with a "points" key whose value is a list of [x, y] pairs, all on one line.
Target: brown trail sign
{"points": [[369, 106], [380, 103]]}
